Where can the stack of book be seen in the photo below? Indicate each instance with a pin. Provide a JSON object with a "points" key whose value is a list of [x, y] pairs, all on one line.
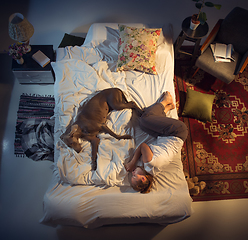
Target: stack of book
{"points": [[222, 52]]}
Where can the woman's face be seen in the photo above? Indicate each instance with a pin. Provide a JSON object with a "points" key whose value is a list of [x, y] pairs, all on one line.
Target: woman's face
{"points": [[138, 175]]}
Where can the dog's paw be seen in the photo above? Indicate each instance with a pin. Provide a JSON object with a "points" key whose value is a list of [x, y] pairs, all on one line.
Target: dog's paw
{"points": [[93, 165]]}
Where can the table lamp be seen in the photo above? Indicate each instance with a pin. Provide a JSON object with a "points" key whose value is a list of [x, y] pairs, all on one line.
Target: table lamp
{"points": [[20, 29]]}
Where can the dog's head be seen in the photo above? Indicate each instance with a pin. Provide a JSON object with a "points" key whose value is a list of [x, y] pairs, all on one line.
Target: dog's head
{"points": [[71, 137]]}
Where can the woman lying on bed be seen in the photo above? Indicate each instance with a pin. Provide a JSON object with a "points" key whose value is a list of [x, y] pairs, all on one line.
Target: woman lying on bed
{"points": [[174, 133]]}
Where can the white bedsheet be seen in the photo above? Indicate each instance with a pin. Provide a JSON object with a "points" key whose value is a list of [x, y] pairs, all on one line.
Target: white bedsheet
{"points": [[80, 71]]}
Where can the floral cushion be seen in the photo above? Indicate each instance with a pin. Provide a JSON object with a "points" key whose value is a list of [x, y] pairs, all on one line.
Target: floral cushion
{"points": [[137, 49]]}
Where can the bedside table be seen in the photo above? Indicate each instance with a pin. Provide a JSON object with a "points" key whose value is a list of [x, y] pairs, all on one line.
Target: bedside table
{"points": [[30, 72]]}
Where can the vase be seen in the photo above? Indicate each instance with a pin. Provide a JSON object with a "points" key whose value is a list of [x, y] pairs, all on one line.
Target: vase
{"points": [[20, 60], [193, 26], [194, 23]]}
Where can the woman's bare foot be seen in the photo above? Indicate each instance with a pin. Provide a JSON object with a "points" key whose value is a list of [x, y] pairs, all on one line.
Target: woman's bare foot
{"points": [[166, 98], [169, 107], [167, 101]]}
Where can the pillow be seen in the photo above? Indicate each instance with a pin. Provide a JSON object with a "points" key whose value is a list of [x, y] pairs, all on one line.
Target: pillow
{"points": [[70, 40], [137, 49], [98, 32], [198, 105]]}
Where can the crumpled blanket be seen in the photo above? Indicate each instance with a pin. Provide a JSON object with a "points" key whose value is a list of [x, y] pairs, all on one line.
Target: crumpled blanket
{"points": [[38, 139]]}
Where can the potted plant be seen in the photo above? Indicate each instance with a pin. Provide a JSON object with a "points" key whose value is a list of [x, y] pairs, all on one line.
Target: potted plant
{"points": [[201, 17]]}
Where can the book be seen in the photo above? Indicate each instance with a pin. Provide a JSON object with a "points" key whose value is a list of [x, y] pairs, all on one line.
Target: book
{"points": [[41, 58], [222, 52]]}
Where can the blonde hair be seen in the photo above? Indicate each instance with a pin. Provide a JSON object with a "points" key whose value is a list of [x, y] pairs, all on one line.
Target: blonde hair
{"points": [[144, 187]]}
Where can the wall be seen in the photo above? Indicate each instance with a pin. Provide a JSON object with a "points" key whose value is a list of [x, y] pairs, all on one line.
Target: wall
{"points": [[52, 18]]}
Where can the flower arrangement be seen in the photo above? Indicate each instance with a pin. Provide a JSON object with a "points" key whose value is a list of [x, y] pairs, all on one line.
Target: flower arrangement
{"points": [[17, 50]]}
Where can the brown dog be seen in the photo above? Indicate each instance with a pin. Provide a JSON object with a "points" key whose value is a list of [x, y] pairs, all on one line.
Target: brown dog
{"points": [[91, 120]]}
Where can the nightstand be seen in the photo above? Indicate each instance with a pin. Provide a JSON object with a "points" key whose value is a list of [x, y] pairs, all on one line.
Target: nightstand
{"points": [[30, 72]]}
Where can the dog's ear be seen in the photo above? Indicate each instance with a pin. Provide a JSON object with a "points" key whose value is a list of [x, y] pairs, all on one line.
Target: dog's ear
{"points": [[74, 129]]}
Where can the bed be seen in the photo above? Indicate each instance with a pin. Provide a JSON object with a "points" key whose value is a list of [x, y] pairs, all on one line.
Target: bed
{"points": [[78, 196]]}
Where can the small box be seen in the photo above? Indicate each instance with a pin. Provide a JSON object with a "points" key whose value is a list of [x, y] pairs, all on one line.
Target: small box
{"points": [[41, 58]]}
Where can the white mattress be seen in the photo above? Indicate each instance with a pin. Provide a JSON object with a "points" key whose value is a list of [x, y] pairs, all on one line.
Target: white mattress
{"points": [[81, 197]]}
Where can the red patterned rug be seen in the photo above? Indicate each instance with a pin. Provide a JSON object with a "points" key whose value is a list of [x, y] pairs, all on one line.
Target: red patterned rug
{"points": [[216, 152]]}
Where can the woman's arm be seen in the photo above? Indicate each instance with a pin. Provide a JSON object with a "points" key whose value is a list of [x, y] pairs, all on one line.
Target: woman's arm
{"points": [[142, 151]]}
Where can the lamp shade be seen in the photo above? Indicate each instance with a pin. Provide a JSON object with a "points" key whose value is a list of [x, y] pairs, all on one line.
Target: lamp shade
{"points": [[20, 29]]}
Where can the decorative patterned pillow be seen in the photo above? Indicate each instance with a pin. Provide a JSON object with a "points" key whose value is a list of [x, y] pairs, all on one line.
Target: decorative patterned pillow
{"points": [[137, 49]]}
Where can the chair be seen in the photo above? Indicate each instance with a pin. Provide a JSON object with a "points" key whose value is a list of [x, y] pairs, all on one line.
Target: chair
{"points": [[233, 29]]}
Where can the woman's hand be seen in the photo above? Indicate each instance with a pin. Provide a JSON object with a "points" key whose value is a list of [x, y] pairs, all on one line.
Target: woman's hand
{"points": [[142, 151], [130, 166]]}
